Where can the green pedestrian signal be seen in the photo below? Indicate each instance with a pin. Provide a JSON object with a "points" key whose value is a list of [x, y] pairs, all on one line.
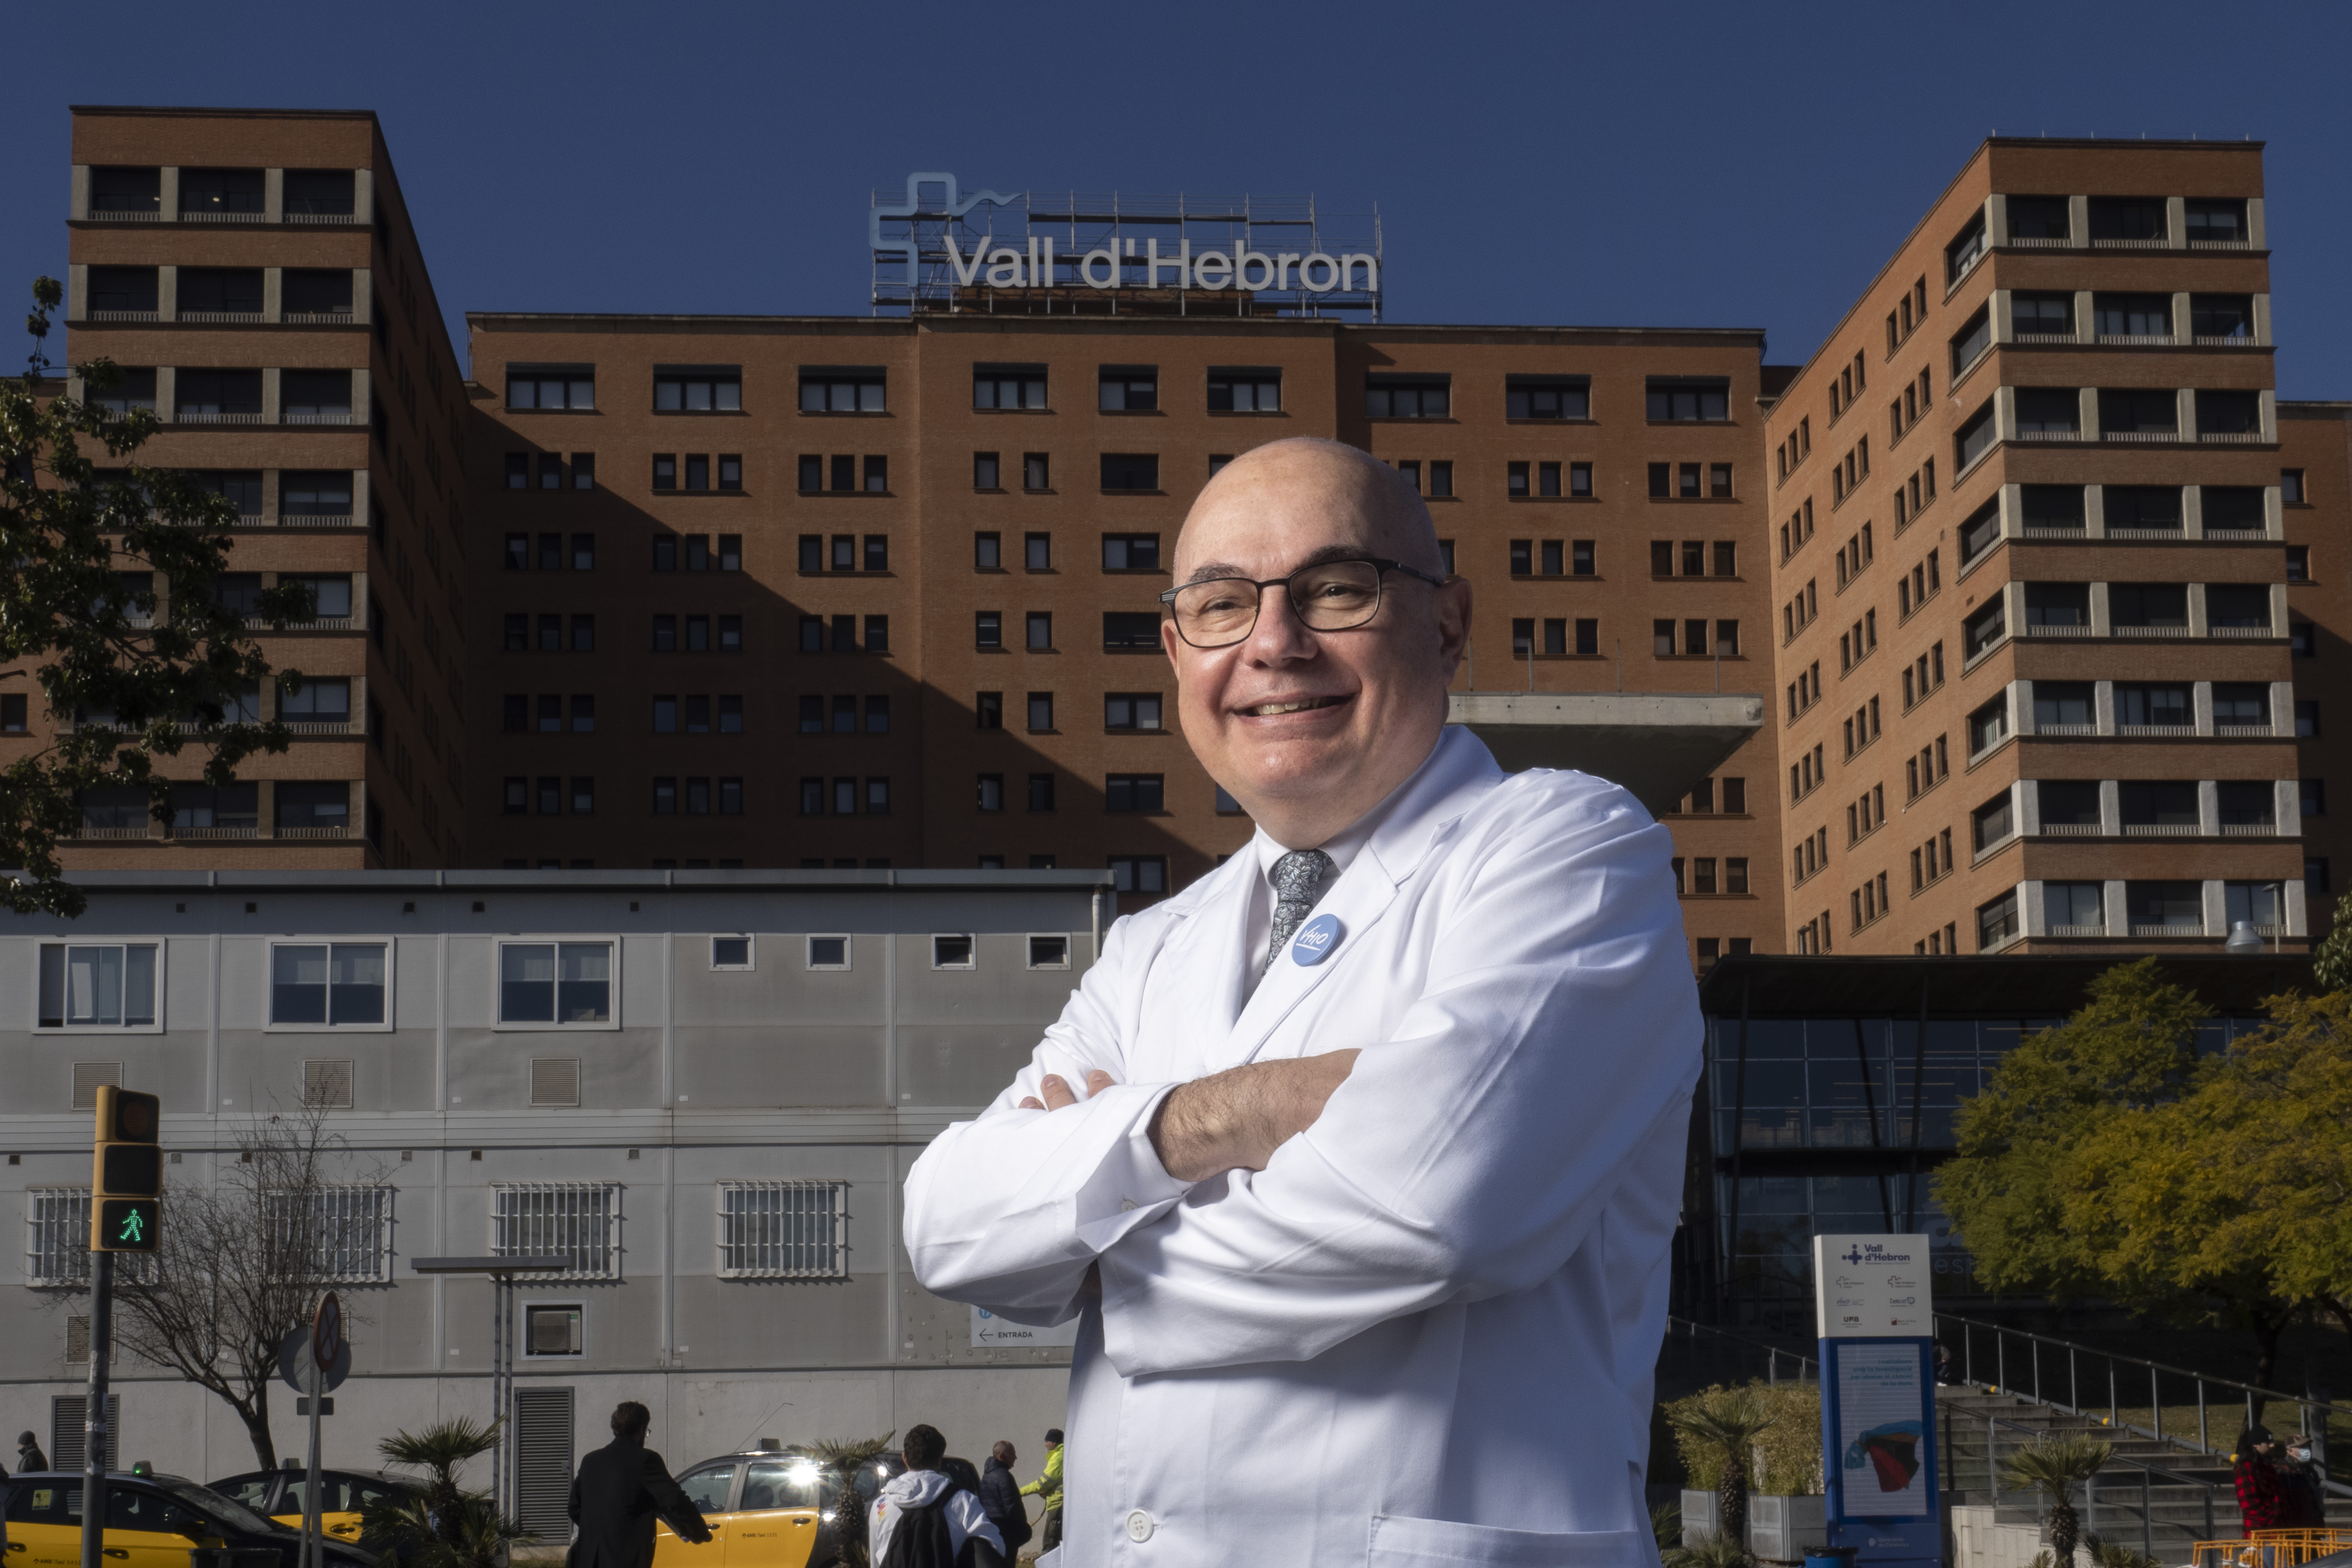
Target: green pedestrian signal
{"points": [[129, 1225]]}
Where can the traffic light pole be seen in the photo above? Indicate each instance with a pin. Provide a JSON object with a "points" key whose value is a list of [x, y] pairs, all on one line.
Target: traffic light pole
{"points": [[96, 1439]]}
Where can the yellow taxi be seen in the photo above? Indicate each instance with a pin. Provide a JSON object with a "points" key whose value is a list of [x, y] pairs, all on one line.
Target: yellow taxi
{"points": [[769, 1509], [342, 1494], [152, 1521]]}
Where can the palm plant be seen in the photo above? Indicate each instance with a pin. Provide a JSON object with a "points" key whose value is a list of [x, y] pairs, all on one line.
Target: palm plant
{"points": [[1706, 1552], [1728, 1421], [442, 1525], [2055, 1466], [841, 1460]]}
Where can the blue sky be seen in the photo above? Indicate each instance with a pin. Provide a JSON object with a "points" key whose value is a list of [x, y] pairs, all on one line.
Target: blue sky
{"points": [[1707, 165]]}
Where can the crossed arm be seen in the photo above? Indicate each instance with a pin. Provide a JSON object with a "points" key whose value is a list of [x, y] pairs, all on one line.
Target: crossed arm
{"points": [[1231, 1120]]}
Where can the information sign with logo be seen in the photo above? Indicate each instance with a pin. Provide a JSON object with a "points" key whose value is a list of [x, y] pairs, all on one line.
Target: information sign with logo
{"points": [[1876, 1323]]}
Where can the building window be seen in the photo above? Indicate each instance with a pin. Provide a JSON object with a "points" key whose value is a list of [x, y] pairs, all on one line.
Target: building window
{"points": [[989, 792], [1130, 471], [1546, 398], [100, 985], [785, 1230], [553, 386], [1407, 397], [987, 552], [1037, 551], [1008, 386], [1683, 398], [1139, 873], [579, 1222], [988, 629], [2291, 487], [856, 389], [1041, 791], [1129, 552], [1036, 471], [547, 984], [1134, 792], [1039, 631], [984, 471], [829, 952], [1130, 631], [332, 986], [706, 389], [1041, 712], [1128, 389], [1244, 391]]}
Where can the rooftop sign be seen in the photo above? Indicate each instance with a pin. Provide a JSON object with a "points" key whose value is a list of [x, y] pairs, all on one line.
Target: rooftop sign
{"points": [[939, 249]]}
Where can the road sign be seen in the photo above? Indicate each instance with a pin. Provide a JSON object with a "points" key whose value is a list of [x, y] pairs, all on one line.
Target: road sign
{"points": [[327, 1331], [298, 1365]]}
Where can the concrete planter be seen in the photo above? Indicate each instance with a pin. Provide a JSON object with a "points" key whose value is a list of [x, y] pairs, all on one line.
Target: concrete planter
{"points": [[1779, 1529]]}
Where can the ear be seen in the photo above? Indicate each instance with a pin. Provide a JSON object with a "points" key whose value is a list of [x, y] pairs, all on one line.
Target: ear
{"points": [[1453, 600]]}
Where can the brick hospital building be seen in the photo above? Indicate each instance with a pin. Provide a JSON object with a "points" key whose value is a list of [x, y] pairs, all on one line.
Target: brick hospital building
{"points": [[2034, 571]]}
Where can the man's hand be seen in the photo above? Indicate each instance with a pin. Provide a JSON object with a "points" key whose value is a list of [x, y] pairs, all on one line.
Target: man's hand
{"points": [[1232, 1120]]}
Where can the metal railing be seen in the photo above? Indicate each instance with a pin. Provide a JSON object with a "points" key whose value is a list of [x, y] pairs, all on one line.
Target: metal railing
{"points": [[2312, 1415], [1804, 1369]]}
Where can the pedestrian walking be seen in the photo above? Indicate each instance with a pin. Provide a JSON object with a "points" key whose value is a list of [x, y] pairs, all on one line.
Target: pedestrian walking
{"points": [[28, 1454], [621, 1490], [2260, 1491], [1047, 1489], [927, 1518], [2302, 1504], [1000, 1494]]}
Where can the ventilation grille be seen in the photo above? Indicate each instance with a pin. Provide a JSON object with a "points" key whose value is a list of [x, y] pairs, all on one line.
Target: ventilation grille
{"points": [[88, 1077], [65, 1427], [555, 1080], [542, 1427], [327, 1085]]}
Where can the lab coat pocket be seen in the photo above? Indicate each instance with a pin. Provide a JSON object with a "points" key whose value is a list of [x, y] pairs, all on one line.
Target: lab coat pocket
{"points": [[1399, 1542]]}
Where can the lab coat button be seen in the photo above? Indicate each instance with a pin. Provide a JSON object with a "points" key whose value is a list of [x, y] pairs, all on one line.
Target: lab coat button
{"points": [[1138, 1526]]}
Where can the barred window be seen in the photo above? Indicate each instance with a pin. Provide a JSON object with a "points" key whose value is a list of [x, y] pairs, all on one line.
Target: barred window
{"points": [[57, 1224], [577, 1221], [346, 1229], [784, 1230]]}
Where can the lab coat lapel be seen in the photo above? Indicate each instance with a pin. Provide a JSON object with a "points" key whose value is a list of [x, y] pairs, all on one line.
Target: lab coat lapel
{"points": [[1458, 771], [1208, 958], [1357, 899]]}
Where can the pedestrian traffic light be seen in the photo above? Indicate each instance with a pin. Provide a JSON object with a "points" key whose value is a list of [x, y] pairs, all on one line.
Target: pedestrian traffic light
{"points": [[126, 1211]]}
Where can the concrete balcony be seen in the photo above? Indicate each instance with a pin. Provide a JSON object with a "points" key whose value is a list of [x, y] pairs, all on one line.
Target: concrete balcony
{"points": [[1657, 744]]}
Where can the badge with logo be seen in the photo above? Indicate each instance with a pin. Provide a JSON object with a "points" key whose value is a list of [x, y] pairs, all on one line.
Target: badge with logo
{"points": [[1314, 944]]}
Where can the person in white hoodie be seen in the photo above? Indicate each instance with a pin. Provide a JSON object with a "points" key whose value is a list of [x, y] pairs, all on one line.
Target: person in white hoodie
{"points": [[944, 1524]]}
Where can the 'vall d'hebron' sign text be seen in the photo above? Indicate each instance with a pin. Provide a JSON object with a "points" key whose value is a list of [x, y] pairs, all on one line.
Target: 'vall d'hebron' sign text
{"points": [[1872, 1287], [922, 233], [1210, 271]]}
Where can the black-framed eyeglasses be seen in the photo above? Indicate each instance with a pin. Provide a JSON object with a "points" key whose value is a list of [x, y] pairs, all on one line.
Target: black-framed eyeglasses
{"points": [[1329, 597]]}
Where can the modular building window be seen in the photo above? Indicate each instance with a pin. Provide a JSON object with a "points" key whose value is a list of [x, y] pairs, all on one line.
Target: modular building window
{"points": [[114, 987], [560, 986], [329, 985], [784, 1230], [579, 1222]]}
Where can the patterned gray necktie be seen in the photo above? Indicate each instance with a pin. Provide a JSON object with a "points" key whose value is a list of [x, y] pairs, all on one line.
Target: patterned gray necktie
{"points": [[1297, 878]]}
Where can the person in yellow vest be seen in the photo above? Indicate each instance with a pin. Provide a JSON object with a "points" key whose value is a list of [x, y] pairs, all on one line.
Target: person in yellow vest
{"points": [[1047, 1488]]}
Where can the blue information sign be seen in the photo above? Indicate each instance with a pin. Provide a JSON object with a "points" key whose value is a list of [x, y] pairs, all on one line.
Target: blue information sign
{"points": [[1879, 1457]]}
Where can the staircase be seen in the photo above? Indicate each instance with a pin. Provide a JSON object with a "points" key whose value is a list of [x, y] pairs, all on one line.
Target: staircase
{"points": [[2156, 1494]]}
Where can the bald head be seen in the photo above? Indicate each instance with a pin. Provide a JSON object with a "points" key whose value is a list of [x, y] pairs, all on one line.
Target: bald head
{"points": [[1276, 483], [1308, 729]]}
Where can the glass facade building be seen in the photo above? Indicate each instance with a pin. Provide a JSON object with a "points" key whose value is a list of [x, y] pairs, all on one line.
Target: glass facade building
{"points": [[1823, 1110]]}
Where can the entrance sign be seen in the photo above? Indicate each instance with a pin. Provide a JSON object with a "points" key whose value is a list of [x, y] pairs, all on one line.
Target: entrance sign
{"points": [[1879, 1461], [993, 1333]]}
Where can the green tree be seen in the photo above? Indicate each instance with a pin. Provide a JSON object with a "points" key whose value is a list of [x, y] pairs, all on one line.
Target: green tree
{"points": [[108, 604], [2055, 1467], [1720, 1429], [2107, 1159], [2331, 961], [447, 1524]]}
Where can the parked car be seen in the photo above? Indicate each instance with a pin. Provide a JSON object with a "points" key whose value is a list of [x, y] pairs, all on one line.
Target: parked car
{"points": [[769, 1508], [152, 1521], [278, 1494]]}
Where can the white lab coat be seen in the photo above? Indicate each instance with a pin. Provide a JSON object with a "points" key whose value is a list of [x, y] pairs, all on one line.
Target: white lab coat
{"points": [[1424, 1334]]}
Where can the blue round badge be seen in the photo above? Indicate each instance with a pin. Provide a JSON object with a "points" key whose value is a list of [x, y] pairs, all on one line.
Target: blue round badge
{"points": [[1315, 943]]}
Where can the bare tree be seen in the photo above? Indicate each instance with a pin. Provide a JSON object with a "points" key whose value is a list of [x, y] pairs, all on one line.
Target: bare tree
{"points": [[242, 1261]]}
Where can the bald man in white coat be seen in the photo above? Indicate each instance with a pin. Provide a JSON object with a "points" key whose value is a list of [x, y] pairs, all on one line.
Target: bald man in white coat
{"points": [[1358, 1159]]}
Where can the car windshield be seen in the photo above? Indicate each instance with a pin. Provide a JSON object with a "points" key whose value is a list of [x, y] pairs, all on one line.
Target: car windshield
{"points": [[253, 1491], [228, 1511]]}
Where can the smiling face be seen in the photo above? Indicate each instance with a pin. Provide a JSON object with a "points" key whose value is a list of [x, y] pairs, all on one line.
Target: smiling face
{"points": [[1311, 729]]}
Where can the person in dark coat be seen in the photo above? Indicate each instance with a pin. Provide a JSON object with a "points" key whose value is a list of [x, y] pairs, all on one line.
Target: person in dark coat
{"points": [[28, 1454], [2302, 1504], [1000, 1495], [621, 1490]]}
